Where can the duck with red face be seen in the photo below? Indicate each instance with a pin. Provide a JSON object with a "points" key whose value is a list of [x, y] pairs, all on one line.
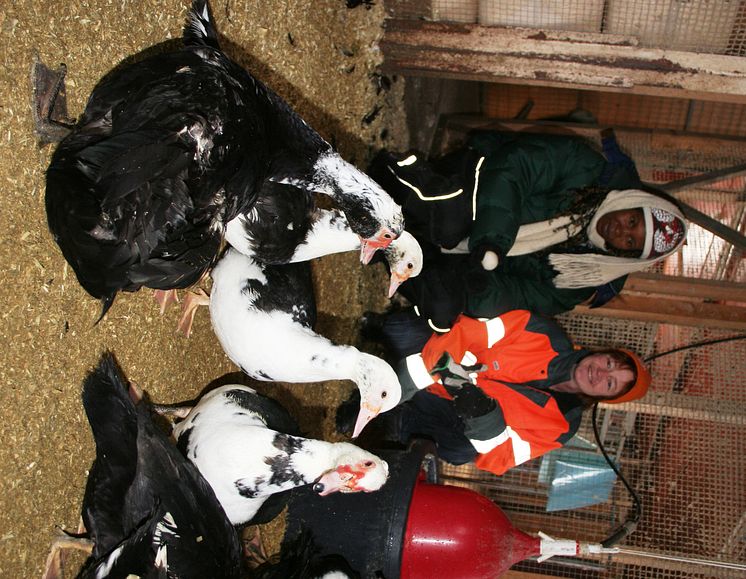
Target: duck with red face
{"points": [[246, 447]]}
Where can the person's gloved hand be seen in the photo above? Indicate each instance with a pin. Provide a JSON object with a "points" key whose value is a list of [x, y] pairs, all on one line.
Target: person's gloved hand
{"points": [[452, 374], [485, 255], [470, 401]]}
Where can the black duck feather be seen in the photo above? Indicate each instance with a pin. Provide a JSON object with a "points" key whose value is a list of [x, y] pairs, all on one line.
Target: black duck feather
{"points": [[147, 509]]}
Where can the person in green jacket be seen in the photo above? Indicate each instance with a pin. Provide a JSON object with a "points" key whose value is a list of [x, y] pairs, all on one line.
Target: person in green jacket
{"points": [[524, 221]]}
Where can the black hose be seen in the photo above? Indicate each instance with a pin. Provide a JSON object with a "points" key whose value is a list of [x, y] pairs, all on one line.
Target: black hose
{"points": [[696, 345], [630, 525]]}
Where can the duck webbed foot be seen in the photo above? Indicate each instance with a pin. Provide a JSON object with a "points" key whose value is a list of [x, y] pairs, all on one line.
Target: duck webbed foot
{"points": [[253, 547], [51, 122], [165, 298], [57, 560], [192, 301]]}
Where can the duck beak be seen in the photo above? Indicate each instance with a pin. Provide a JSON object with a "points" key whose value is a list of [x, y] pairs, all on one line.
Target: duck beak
{"points": [[396, 280], [366, 251], [366, 414]]}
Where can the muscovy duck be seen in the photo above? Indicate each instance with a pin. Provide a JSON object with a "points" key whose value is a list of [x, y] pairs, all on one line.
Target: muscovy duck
{"points": [[263, 317], [148, 510], [285, 226], [169, 150], [229, 436]]}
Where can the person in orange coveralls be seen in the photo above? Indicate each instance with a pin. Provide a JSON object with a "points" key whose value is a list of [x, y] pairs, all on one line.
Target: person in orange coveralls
{"points": [[502, 391]]}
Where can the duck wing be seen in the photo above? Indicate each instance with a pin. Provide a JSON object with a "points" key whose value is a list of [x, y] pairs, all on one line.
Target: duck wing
{"points": [[279, 221], [164, 155], [141, 490], [279, 419]]}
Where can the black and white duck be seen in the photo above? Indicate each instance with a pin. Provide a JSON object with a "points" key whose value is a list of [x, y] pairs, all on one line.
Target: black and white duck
{"points": [[263, 316], [147, 509], [286, 226], [229, 436], [172, 148]]}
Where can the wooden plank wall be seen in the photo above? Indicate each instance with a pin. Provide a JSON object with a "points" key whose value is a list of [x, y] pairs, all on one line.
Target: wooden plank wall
{"points": [[505, 101]]}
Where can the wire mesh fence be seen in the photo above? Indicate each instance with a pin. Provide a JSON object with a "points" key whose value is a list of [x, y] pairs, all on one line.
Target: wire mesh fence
{"points": [[683, 452], [708, 26]]}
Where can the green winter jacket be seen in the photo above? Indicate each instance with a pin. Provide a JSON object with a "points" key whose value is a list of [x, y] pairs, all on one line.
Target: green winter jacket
{"points": [[525, 179]]}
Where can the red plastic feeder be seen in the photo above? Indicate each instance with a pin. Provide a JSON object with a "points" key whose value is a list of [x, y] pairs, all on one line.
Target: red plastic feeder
{"points": [[460, 530], [414, 528]]}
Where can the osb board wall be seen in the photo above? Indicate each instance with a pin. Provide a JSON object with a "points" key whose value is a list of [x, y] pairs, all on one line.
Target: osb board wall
{"points": [[616, 109], [318, 55]]}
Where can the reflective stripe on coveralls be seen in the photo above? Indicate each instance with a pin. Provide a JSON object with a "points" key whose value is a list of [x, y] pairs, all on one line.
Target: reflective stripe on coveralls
{"points": [[521, 448]]}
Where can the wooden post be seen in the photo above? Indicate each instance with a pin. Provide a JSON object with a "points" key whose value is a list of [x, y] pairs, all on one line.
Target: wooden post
{"points": [[591, 61], [685, 406], [677, 300], [659, 308]]}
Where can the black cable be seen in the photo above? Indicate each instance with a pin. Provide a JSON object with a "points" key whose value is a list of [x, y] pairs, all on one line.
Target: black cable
{"points": [[629, 526], [696, 345]]}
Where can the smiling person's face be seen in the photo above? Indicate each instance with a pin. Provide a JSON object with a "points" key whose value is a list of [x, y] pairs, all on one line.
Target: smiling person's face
{"points": [[623, 229], [601, 375]]}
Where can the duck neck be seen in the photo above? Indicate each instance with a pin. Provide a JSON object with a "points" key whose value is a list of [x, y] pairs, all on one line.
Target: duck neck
{"points": [[318, 457], [330, 234]]}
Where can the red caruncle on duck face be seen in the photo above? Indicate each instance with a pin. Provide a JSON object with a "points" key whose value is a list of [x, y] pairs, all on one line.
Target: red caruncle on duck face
{"points": [[366, 475]]}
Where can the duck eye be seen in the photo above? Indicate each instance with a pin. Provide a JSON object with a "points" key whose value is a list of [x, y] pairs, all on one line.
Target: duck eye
{"points": [[384, 394], [410, 265], [388, 236], [368, 464]]}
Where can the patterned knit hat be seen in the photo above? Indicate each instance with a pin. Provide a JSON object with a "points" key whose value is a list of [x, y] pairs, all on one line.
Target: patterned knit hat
{"points": [[663, 232]]}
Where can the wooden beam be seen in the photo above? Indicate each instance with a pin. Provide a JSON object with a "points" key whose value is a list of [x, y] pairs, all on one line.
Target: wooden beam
{"points": [[671, 285], [685, 406], [703, 179], [690, 566], [670, 311], [590, 61], [462, 123]]}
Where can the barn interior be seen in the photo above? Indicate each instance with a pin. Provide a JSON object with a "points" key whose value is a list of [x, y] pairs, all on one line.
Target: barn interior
{"points": [[669, 77]]}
